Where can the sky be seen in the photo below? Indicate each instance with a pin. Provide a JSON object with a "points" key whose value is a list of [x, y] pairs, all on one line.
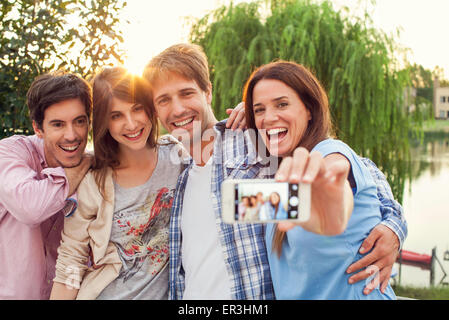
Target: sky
{"points": [[157, 24]]}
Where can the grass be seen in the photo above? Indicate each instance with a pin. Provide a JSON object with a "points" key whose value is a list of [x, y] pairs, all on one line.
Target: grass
{"points": [[433, 129], [430, 293], [436, 126]]}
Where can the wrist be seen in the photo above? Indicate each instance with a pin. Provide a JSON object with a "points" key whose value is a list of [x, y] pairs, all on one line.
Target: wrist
{"points": [[395, 232], [70, 206]]}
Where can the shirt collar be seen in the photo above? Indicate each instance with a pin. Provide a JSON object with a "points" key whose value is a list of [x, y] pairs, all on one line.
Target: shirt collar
{"points": [[237, 149]]}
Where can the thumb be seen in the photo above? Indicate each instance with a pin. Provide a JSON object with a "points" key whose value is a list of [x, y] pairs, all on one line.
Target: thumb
{"points": [[229, 111], [368, 243], [285, 226], [340, 170]]}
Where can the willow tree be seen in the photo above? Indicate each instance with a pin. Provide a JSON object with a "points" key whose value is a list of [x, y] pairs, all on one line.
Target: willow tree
{"points": [[354, 61]]}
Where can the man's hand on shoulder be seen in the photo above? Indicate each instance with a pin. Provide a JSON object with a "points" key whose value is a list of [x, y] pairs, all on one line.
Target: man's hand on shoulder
{"points": [[76, 174]]}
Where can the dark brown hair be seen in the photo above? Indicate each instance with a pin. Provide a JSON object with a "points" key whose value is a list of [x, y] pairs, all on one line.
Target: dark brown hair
{"points": [[311, 93], [119, 83], [55, 87]]}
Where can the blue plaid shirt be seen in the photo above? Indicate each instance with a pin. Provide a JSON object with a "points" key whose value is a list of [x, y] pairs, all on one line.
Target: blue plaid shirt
{"points": [[392, 212], [243, 245]]}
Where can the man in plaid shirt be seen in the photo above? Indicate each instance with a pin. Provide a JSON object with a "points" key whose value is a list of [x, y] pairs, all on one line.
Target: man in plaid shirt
{"points": [[210, 259]]}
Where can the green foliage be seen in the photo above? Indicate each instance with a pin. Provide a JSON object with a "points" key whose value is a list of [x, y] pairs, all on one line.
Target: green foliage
{"points": [[354, 62], [38, 36], [423, 80], [426, 293]]}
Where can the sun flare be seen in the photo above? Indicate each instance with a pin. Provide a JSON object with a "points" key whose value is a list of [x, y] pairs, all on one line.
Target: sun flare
{"points": [[154, 27]]}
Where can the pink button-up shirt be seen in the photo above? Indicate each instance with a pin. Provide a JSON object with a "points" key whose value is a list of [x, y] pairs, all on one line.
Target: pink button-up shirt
{"points": [[33, 202]]}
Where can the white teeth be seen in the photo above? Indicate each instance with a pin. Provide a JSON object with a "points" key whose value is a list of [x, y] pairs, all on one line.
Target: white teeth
{"points": [[73, 148], [276, 131], [133, 135], [182, 123]]}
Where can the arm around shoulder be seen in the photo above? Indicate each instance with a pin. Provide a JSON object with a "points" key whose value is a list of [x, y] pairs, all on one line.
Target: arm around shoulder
{"points": [[392, 212]]}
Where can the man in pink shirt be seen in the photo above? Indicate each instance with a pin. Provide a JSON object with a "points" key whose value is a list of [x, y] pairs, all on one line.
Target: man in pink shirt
{"points": [[38, 177]]}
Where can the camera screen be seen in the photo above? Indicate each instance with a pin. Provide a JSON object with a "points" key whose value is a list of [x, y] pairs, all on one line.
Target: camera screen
{"points": [[265, 201]]}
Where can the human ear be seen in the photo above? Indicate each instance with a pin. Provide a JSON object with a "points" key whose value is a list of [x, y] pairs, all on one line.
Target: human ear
{"points": [[209, 94], [37, 130]]}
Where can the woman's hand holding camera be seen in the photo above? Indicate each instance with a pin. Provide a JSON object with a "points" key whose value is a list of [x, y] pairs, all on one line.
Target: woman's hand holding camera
{"points": [[331, 200]]}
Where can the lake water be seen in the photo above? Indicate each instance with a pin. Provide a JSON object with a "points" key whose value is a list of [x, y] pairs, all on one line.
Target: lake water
{"points": [[426, 208]]}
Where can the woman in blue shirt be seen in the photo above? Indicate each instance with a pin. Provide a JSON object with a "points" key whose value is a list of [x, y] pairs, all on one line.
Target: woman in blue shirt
{"points": [[274, 207], [289, 108]]}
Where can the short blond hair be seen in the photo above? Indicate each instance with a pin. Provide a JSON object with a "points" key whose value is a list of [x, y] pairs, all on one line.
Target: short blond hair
{"points": [[185, 59]]}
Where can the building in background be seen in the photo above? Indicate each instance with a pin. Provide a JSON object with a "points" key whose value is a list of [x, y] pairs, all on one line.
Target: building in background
{"points": [[440, 100]]}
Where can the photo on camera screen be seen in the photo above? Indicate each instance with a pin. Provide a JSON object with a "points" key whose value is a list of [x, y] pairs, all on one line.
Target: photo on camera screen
{"points": [[269, 201]]}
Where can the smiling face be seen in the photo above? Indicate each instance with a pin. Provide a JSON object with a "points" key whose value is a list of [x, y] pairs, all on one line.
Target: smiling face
{"points": [[253, 201], [274, 198], [64, 131], [280, 116], [129, 124], [180, 101]]}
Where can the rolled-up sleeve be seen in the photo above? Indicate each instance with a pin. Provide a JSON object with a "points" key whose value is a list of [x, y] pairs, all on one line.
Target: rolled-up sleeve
{"points": [[392, 212]]}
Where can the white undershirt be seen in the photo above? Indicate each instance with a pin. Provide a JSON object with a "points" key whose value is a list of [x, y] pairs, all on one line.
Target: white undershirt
{"points": [[202, 256]]}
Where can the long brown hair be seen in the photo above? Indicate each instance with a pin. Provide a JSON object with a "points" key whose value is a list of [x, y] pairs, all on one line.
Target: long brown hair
{"points": [[119, 83], [276, 206], [311, 93]]}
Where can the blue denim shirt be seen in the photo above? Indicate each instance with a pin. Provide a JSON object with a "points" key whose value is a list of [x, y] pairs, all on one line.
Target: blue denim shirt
{"points": [[312, 266]]}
